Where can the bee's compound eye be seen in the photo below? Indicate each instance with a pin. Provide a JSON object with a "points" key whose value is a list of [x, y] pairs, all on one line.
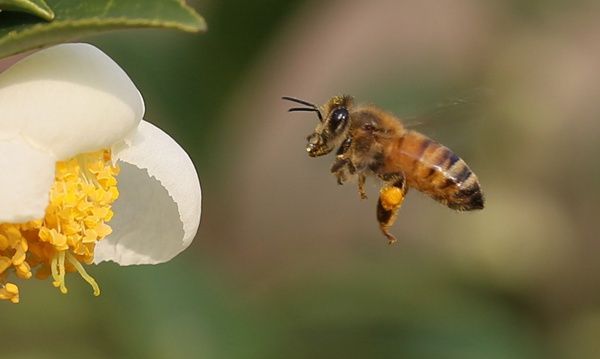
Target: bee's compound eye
{"points": [[339, 117]]}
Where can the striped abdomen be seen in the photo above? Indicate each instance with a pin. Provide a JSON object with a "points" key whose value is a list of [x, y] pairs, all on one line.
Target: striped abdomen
{"points": [[435, 170]]}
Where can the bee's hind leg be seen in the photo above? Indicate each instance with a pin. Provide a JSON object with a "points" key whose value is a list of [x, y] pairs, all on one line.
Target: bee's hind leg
{"points": [[391, 197]]}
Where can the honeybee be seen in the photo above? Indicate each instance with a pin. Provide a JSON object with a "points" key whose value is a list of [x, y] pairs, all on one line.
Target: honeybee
{"points": [[372, 142]]}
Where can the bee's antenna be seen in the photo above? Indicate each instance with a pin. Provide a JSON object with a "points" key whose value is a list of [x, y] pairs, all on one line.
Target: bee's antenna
{"points": [[303, 109], [312, 107], [297, 100]]}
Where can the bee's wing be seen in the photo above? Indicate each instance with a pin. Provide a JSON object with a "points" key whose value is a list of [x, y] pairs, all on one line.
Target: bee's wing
{"points": [[448, 113]]}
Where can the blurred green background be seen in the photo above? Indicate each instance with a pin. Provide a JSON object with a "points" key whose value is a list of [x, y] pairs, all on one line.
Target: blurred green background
{"points": [[287, 264]]}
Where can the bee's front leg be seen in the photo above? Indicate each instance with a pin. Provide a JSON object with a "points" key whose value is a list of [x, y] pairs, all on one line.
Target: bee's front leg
{"points": [[391, 197], [361, 186], [342, 165], [340, 169]]}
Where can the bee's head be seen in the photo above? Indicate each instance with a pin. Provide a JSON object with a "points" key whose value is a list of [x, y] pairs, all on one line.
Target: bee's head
{"points": [[331, 129]]}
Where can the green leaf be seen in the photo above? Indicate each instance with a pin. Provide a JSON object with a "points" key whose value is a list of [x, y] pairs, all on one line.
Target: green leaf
{"points": [[75, 18], [37, 8]]}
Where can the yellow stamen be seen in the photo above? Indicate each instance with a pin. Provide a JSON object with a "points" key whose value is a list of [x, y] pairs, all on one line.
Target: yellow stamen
{"points": [[88, 278], [10, 292], [61, 273], [76, 219]]}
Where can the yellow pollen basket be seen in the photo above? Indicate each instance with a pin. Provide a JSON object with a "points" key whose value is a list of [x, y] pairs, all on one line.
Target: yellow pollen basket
{"points": [[76, 218]]}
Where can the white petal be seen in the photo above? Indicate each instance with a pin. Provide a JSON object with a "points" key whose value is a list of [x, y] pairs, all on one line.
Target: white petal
{"points": [[68, 99], [158, 210], [26, 176]]}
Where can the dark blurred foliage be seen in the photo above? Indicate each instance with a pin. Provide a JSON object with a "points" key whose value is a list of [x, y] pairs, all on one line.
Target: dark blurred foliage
{"points": [[287, 263]]}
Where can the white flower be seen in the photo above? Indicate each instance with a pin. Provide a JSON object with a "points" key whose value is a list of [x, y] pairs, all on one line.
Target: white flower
{"points": [[70, 121]]}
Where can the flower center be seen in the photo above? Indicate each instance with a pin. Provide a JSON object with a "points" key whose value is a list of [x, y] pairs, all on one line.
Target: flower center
{"points": [[76, 219]]}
